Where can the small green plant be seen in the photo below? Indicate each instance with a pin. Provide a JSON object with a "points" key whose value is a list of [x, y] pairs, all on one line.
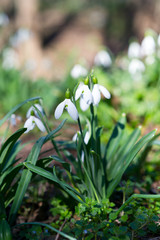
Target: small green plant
{"points": [[99, 221], [60, 212]]}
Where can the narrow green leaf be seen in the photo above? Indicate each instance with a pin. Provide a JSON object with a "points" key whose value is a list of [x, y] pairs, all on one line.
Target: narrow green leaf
{"points": [[16, 108], [116, 163], [127, 160], [48, 226], [115, 139], [53, 178]]}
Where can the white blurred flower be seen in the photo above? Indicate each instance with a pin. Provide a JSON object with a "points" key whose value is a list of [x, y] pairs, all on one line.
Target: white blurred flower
{"points": [[103, 59], [21, 36], [158, 40], [69, 106], [84, 93], [86, 137], [136, 66], [148, 46], [31, 122], [4, 19], [78, 71], [134, 50], [96, 93], [30, 65], [9, 58], [150, 60], [33, 109]]}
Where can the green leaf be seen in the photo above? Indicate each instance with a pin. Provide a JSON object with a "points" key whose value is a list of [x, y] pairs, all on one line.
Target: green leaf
{"points": [[124, 150], [53, 178], [50, 227], [114, 141], [26, 174], [16, 108], [8, 147], [121, 168]]}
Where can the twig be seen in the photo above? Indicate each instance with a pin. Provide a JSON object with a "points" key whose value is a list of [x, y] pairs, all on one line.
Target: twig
{"points": [[57, 236]]}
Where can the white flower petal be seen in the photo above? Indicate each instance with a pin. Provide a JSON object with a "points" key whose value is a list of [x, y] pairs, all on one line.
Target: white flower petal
{"points": [[39, 124], [59, 109], [78, 71], [96, 94], [103, 58], [71, 109], [82, 156], [105, 92], [29, 124], [148, 46], [79, 91], [87, 137], [32, 108], [134, 50], [87, 95], [83, 105]]}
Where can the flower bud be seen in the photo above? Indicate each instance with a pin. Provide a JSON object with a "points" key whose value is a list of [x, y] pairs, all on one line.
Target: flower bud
{"points": [[32, 113], [86, 81], [68, 94], [94, 80]]}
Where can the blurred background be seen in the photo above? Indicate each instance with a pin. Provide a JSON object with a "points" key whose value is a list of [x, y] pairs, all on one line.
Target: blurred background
{"points": [[41, 41], [47, 36]]}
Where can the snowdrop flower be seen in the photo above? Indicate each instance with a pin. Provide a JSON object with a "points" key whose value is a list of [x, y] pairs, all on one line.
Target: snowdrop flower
{"points": [[31, 122], [97, 90], [33, 109], [68, 105], [148, 46], [136, 66], [78, 71], [84, 93], [103, 59], [86, 137], [134, 50]]}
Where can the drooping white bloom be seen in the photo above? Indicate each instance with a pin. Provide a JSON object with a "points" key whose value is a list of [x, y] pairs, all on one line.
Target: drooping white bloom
{"points": [[31, 122], [134, 50], [103, 59], [86, 137], [84, 93], [136, 66], [33, 109], [148, 46], [78, 71], [69, 106], [96, 93]]}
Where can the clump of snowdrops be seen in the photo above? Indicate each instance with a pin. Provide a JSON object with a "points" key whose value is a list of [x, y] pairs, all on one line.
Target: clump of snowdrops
{"points": [[97, 168]]}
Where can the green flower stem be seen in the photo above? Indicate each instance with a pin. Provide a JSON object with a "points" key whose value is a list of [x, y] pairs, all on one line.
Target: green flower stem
{"points": [[87, 161], [134, 196], [93, 129]]}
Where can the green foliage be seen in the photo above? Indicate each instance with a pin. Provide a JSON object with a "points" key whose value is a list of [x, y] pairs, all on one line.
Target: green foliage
{"points": [[15, 88], [60, 212], [99, 221], [35, 232]]}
